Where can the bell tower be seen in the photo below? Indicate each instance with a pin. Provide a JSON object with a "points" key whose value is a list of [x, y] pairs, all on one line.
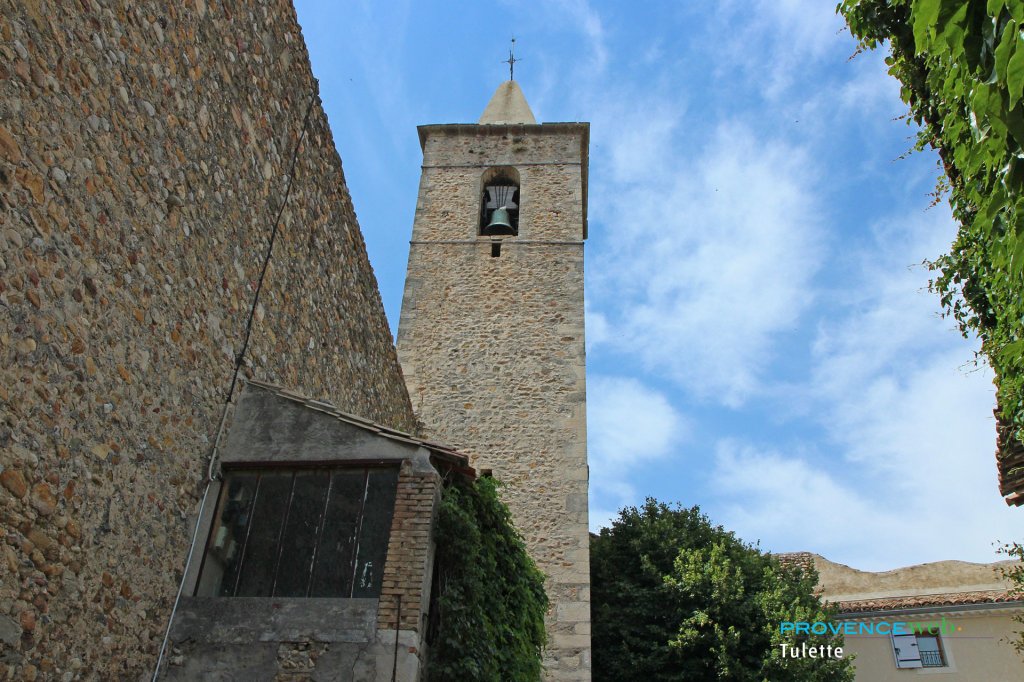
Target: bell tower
{"points": [[491, 333]]}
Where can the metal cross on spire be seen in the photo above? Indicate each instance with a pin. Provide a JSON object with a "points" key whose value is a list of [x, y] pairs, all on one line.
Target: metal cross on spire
{"points": [[511, 61]]}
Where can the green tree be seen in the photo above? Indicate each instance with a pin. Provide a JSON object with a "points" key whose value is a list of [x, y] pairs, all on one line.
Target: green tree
{"points": [[1015, 574], [490, 595], [961, 66], [676, 598]]}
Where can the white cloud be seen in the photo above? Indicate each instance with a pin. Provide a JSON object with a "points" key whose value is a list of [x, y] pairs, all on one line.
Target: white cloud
{"points": [[629, 422], [911, 478], [596, 326], [550, 73], [803, 28], [603, 518], [889, 316], [709, 259], [629, 425], [775, 498], [909, 474], [772, 43], [583, 15], [642, 148], [871, 88]]}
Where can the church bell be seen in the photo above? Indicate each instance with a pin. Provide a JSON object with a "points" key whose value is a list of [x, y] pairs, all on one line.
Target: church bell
{"points": [[500, 223]]}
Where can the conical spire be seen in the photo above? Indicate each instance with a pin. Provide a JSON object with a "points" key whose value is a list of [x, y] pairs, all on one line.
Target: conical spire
{"points": [[508, 105]]}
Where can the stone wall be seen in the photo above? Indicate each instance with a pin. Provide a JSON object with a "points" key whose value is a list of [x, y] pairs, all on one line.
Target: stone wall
{"points": [[493, 347], [317, 638], [145, 149], [267, 639]]}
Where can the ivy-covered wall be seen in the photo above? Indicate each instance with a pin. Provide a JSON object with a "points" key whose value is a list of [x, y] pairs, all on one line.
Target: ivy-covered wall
{"points": [[145, 149], [489, 603]]}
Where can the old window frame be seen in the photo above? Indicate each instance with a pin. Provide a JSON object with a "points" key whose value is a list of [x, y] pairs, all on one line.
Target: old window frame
{"points": [[375, 535]]}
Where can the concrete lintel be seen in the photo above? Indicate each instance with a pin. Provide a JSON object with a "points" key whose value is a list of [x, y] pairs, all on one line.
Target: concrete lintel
{"points": [[240, 620]]}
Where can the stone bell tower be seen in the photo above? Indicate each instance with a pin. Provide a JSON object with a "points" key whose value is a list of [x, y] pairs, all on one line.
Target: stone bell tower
{"points": [[491, 333]]}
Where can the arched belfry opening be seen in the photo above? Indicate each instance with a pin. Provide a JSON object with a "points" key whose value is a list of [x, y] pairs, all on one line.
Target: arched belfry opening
{"points": [[499, 202], [489, 319]]}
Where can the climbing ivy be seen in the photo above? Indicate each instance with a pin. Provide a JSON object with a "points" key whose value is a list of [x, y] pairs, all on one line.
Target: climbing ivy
{"points": [[961, 66], [490, 602]]}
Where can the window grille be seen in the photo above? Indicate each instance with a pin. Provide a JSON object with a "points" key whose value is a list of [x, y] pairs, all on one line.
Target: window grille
{"points": [[930, 649], [918, 650], [312, 532]]}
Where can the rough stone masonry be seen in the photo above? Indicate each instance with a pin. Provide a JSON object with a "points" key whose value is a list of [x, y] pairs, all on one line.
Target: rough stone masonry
{"points": [[144, 154], [492, 339]]}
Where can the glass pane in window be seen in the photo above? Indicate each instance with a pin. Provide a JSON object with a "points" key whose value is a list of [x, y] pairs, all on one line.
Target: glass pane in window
{"points": [[261, 550], [931, 651], [332, 575], [227, 537], [298, 543], [381, 489]]}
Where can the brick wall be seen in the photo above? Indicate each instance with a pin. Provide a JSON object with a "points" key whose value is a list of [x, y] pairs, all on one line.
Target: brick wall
{"points": [[144, 154], [407, 571]]}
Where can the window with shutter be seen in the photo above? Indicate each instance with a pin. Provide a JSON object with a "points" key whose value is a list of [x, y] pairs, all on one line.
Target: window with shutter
{"points": [[905, 649], [919, 650]]}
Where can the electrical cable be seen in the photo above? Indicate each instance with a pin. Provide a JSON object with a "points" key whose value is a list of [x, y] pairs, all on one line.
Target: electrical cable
{"points": [[211, 474]]}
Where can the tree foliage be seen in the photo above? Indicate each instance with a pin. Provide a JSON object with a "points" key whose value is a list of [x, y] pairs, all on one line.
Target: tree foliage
{"points": [[490, 599], [1015, 574], [961, 66], [676, 598]]}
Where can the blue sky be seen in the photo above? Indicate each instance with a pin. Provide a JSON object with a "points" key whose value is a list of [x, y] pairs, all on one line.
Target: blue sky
{"points": [[761, 341]]}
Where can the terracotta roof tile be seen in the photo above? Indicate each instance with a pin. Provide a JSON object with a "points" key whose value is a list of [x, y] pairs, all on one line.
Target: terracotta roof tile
{"points": [[1009, 462], [803, 560], [948, 599]]}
